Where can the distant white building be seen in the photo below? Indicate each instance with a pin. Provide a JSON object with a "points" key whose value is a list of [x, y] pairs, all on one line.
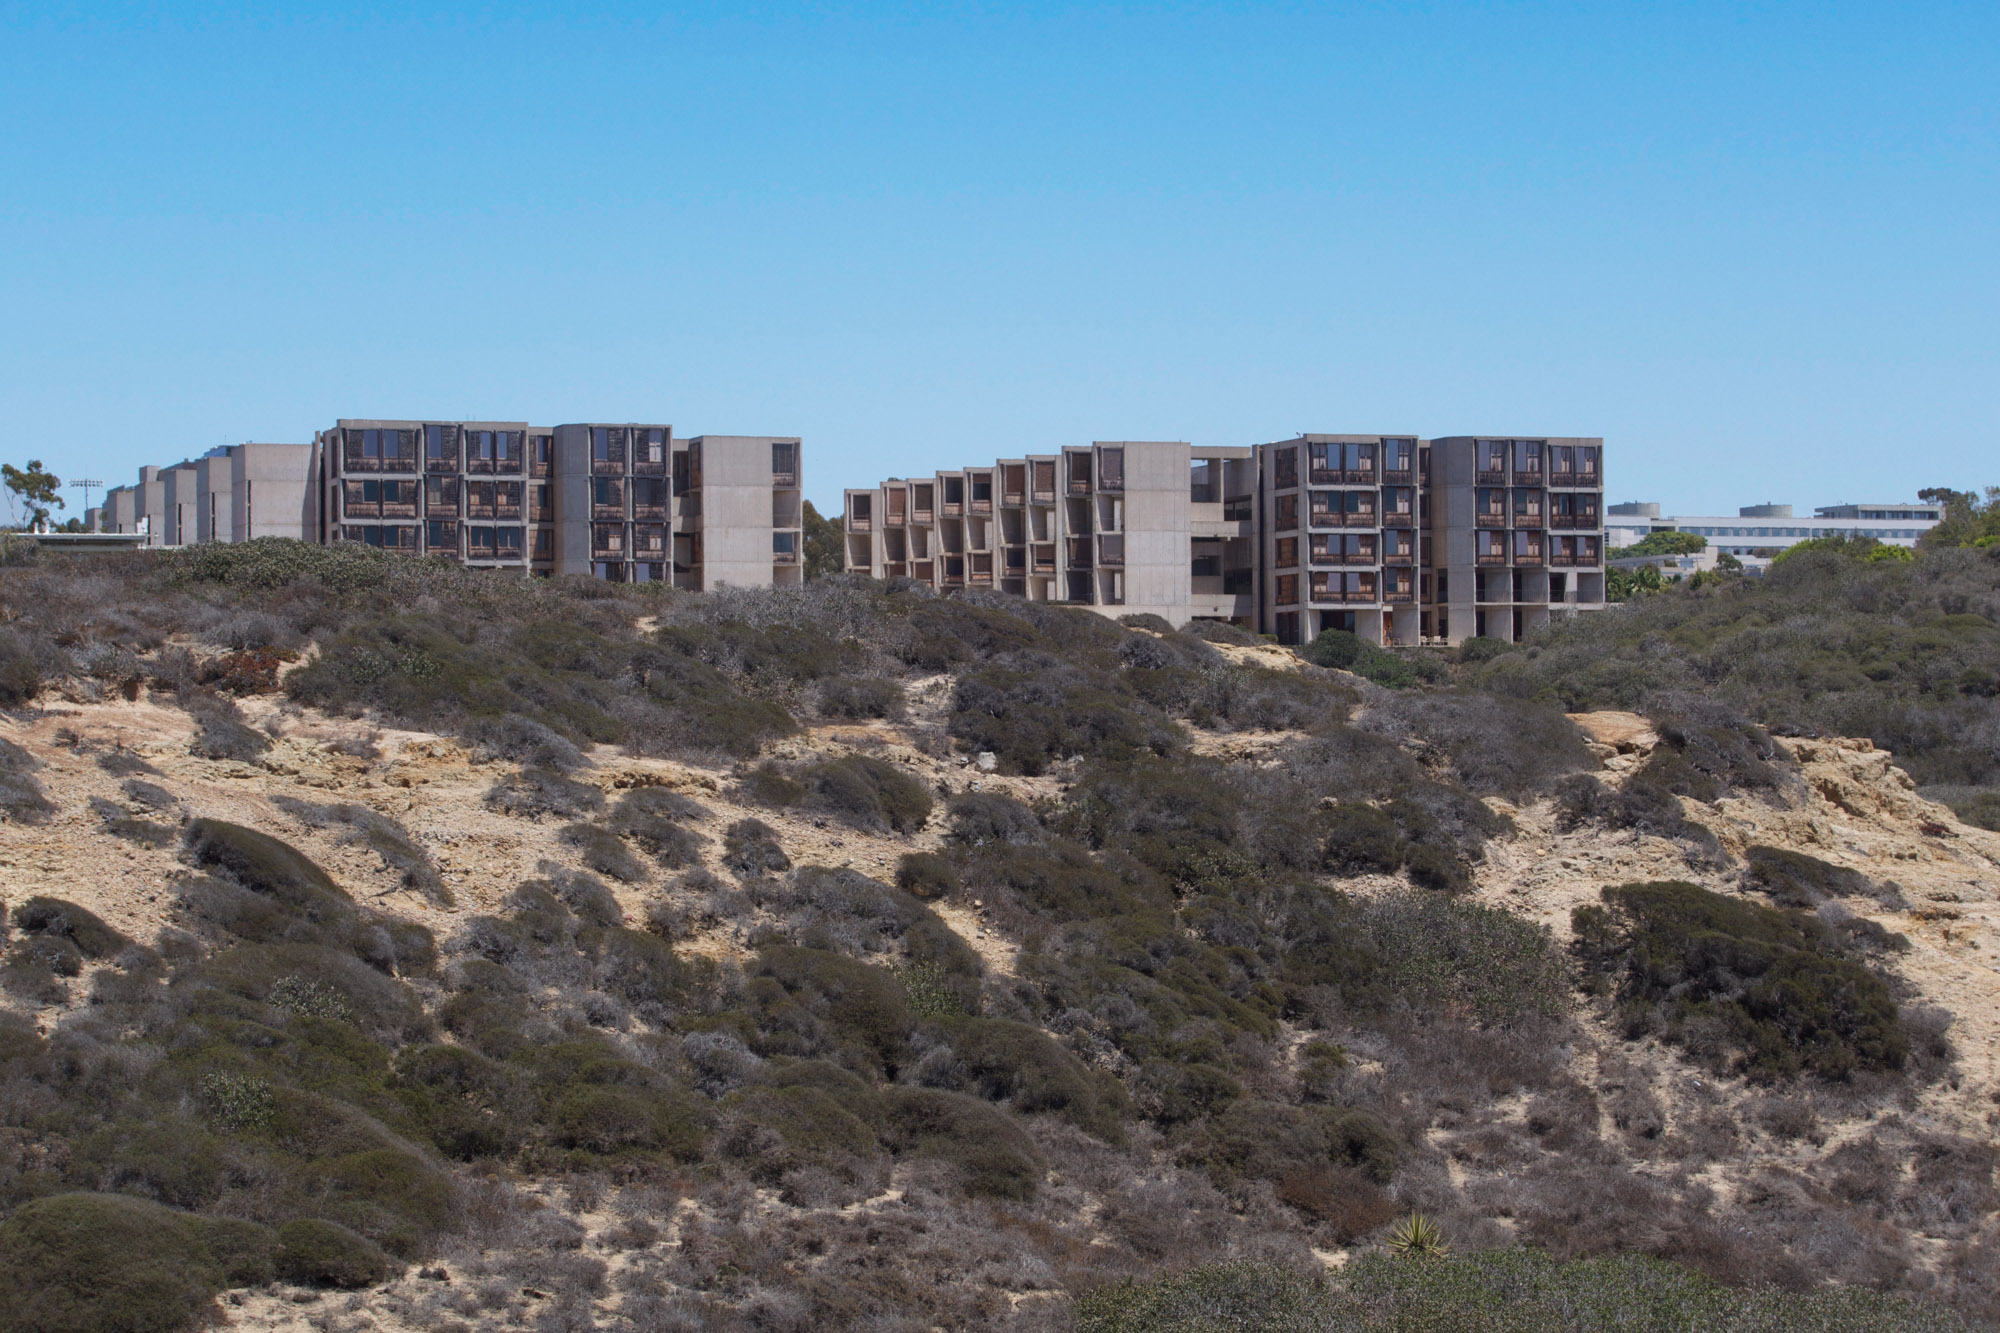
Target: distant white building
{"points": [[1758, 530]]}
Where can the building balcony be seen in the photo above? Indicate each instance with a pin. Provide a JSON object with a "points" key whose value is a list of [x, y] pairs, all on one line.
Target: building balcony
{"points": [[781, 557], [1489, 520], [607, 467], [1573, 521], [1400, 558], [1490, 558], [607, 513], [860, 524], [1527, 476], [787, 479], [1397, 476], [951, 510], [649, 513], [1527, 559], [1485, 477], [923, 518], [444, 465], [1399, 596], [981, 507]]}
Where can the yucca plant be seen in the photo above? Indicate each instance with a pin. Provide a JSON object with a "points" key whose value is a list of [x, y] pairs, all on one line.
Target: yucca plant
{"points": [[1418, 1236]]}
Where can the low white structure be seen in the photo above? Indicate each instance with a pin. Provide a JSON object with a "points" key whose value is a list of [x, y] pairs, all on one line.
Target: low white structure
{"points": [[1767, 528]]}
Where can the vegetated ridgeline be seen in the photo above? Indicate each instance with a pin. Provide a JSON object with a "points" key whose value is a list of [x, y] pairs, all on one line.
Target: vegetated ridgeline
{"points": [[521, 954]]}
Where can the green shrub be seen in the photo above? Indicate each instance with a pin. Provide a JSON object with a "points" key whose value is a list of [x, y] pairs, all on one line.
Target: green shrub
{"points": [[925, 875], [1771, 992], [1361, 840], [868, 793], [1022, 1066], [767, 784], [1264, 1140], [536, 791], [262, 864], [1505, 1291], [317, 981], [467, 1105], [316, 1253], [1795, 879], [1447, 955], [391, 1196], [982, 817], [750, 847], [80, 926], [1221, 631], [655, 819], [809, 1000], [1433, 867], [609, 1121], [991, 1154], [237, 1101], [605, 852], [861, 698], [816, 1128], [99, 1263], [1031, 715]]}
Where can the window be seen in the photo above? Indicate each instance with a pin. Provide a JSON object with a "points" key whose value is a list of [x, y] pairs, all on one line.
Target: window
{"points": [[507, 542], [441, 535], [545, 448], [785, 545], [1288, 589], [1111, 469], [1206, 566], [785, 462], [1288, 552], [1288, 512], [435, 442], [1287, 468], [651, 446], [1202, 486], [600, 444], [545, 544], [606, 493]]}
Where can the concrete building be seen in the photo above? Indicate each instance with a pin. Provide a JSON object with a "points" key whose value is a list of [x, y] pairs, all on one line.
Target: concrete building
{"points": [[1756, 532], [230, 494], [1516, 534], [625, 502], [1129, 526], [1392, 537]]}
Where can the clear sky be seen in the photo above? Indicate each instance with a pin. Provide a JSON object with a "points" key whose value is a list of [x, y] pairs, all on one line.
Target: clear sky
{"points": [[1755, 246]]}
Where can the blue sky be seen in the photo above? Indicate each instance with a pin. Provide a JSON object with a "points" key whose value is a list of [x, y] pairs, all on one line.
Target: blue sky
{"points": [[1754, 246]]}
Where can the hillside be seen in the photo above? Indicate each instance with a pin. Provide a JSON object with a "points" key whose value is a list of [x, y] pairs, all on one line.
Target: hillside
{"points": [[392, 947]]}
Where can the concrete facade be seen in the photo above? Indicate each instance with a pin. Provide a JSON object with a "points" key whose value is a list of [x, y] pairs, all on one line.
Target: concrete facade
{"points": [[1516, 534], [625, 502], [1131, 526], [1395, 538]]}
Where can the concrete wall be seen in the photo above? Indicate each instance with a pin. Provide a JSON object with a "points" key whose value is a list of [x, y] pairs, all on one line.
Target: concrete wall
{"points": [[271, 493], [1156, 521], [736, 509], [571, 477], [121, 513], [215, 498], [180, 501]]}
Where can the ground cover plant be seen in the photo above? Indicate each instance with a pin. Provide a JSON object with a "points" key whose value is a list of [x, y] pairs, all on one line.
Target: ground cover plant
{"points": [[1077, 1036]]}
